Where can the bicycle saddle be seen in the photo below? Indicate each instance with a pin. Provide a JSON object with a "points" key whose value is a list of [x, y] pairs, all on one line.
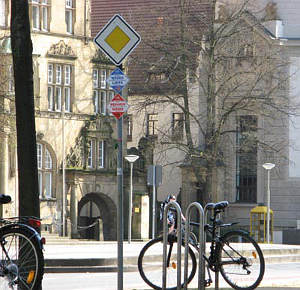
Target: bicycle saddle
{"points": [[217, 206], [4, 198]]}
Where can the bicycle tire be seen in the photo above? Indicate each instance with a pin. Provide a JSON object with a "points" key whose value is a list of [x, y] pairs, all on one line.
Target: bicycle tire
{"points": [[193, 239], [23, 262], [248, 269], [150, 264]]}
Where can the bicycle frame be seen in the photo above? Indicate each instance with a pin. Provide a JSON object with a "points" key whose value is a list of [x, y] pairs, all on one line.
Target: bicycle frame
{"points": [[232, 254], [211, 259]]}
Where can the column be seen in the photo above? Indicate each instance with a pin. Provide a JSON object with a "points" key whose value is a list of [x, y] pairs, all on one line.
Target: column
{"points": [[74, 209], [3, 164]]}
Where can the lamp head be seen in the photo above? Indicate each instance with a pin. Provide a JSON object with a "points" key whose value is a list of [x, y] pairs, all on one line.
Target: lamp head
{"points": [[268, 166], [131, 158]]}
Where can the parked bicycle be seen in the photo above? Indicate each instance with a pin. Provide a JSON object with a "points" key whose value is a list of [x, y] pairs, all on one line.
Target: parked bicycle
{"points": [[22, 260], [236, 255]]}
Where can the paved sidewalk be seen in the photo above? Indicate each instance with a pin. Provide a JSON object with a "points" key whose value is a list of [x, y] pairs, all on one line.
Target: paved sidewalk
{"points": [[92, 250], [103, 256], [84, 250]]}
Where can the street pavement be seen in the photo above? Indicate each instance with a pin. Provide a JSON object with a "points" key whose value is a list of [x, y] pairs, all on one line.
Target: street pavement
{"points": [[283, 276], [99, 259], [106, 253]]}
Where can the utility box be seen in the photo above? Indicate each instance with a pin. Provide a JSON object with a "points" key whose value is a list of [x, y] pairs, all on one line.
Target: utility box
{"points": [[258, 224]]}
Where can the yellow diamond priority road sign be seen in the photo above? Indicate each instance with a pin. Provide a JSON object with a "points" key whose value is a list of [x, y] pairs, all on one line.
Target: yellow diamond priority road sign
{"points": [[117, 39]]}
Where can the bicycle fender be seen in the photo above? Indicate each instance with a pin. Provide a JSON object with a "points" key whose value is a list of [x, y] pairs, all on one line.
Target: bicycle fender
{"points": [[27, 228]]}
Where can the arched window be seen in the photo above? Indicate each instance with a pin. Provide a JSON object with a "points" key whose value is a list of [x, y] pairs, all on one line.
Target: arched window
{"points": [[45, 171]]}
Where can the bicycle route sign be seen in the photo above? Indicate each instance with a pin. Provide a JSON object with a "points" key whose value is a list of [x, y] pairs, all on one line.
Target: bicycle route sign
{"points": [[117, 39], [117, 80], [118, 106]]}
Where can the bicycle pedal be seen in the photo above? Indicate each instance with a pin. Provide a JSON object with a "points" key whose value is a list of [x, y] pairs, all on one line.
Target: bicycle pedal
{"points": [[207, 283]]}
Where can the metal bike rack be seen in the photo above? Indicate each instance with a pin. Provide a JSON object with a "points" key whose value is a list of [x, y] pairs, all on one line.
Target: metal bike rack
{"points": [[165, 242], [205, 221], [201, 240], [201, 265]]}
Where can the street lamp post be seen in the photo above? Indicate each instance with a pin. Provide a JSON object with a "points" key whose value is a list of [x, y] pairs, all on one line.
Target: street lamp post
{"points": [[130, 159], [268, 167]]}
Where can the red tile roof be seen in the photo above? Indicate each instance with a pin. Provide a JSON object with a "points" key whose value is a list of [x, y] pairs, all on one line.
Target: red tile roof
{"points": [[158, 23]]}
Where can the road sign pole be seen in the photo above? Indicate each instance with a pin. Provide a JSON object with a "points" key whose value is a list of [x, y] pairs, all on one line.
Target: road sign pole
{"points": [[117, 39], [153, 203], [120, 224]]}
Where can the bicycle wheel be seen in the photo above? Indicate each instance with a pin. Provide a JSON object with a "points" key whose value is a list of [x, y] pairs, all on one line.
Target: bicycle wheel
{"points": [[22, 261], [193, 239], [150, 263], [241, 260]]}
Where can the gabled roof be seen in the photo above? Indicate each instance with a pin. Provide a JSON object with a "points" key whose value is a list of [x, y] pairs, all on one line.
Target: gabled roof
{"points": [[131, 10], [156, 21]]}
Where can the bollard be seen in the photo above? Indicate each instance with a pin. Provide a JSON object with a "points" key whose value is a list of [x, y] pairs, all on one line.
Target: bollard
{"points": [[205, 221], [201, 239], [165, 242]]}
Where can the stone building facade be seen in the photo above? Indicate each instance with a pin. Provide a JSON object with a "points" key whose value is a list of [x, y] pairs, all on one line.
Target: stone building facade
{"points": [[278, 27], [76, 134]]}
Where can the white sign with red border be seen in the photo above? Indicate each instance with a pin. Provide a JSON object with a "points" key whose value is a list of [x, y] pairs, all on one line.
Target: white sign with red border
{"points": [[118, 106]]}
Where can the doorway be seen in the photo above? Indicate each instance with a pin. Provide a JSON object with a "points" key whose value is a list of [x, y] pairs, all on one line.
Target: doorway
{"points": [[97, 217]]}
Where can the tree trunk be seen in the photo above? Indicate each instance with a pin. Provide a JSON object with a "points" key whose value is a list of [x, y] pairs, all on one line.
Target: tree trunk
{"points": [[24, 100]]}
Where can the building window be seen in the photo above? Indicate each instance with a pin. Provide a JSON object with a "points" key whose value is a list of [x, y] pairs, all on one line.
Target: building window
{"points": [[152, 123], [40, 14], [177, 126], [60, 87], [96, 156], [102, 94], [45, 171], [111, 94], [246, 159], [11, 82], [129, 127], [70, 15], [2, 13]]}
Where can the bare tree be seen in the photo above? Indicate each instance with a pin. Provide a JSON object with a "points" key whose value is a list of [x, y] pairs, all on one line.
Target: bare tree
{"points": [[217, 64]]}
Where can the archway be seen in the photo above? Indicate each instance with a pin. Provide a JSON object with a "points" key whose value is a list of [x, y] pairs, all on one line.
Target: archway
{"points": [[96, 206]]}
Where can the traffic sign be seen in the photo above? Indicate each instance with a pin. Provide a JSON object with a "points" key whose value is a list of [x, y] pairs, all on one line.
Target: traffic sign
{"points": [[117, 39], [117, 80], [118, 106]]}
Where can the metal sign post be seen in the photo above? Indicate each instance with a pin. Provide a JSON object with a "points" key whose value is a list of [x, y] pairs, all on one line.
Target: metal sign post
{"points": [[154, 178], [120, 225], [153, 204], [117, 39]]}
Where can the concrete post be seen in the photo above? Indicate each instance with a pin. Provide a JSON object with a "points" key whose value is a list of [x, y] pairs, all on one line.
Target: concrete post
{"points": [[74, 210], [3, 165]]}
